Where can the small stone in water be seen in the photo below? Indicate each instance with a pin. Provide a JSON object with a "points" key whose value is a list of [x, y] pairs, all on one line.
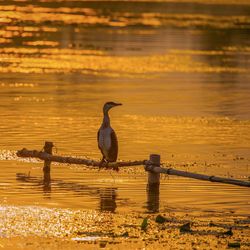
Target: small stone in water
{"points": [[160, 219], [185, 228], [234, 245]]}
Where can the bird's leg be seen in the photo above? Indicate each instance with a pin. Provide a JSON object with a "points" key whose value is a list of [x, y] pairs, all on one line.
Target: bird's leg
{"points": [[103, 163]]}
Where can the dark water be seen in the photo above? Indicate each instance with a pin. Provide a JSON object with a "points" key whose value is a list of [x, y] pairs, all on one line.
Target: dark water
{"points": [[181, 71]]}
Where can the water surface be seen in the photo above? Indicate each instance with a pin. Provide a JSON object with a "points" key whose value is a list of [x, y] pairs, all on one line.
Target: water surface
{"points": [[181, 71]]}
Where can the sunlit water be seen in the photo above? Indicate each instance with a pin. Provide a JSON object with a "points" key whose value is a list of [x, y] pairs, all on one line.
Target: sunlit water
{"points": [[181, 71]]}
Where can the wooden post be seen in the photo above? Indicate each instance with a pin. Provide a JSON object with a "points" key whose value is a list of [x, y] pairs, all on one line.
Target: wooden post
{"points": [[153, 178], [46, 169], [153, 186]]}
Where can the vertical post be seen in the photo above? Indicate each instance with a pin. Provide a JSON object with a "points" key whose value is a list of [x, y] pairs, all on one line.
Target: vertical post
{"points": [[153, 186], [154, 178], [46, 169]]}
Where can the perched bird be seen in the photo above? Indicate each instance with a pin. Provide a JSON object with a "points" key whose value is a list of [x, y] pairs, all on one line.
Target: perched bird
{"points": [[106, 137]]}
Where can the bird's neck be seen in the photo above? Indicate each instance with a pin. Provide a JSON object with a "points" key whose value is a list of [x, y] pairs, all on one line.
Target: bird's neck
{"points": [[106, 120]]}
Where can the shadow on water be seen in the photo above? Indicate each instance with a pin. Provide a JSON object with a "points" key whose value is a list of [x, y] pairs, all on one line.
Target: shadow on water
{"points": [[108, 199], [47, 185], [57, 70], [44, 183], [107, 196], [153, 198]]}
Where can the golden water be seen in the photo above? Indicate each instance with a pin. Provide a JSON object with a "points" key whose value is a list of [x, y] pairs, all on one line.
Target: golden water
{"points": [[181, 71]]}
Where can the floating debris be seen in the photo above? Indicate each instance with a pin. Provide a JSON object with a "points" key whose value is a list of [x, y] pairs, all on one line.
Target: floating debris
{"points": [[160, 219], [103, 243], [234, 245], [229, 232], [185, 228], [144, 224], [126, 234]]}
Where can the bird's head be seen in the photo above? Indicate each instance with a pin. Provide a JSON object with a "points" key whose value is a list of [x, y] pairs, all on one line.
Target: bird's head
{"points": [[108, 105]]}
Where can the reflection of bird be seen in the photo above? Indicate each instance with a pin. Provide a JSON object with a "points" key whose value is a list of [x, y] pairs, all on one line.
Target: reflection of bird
{"points": [[106, 137]]}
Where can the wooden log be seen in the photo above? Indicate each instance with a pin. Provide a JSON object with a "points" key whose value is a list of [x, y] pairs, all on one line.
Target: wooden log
{"points": [[72, 160], [153, 186], [48, 146], [171, 171], [154, 162]]}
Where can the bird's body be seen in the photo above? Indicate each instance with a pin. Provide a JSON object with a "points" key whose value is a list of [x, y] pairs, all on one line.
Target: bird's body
{"points": [[106, 137], [107, 143]]}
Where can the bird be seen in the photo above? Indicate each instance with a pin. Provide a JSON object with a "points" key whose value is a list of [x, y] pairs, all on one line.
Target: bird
{"points": [[106, 136]]}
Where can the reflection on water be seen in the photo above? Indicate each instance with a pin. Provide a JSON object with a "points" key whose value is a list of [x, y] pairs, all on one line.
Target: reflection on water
{"points": [[106, 195], [153, 198], [181, 70], [108, 199]]}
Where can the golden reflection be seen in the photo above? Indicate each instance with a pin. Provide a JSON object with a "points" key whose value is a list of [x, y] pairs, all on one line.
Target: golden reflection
{"points": [[6, 34], [48, 29], [234, 51], [90, 16], [21, 85], [42, 43], [5, 19], [30, 29], [49, 51], [56, 60], [153, 198], [25, 34], [35, 220], [182, 72], [108, 199], [13, 28], [5, 40], [237, 49], [225, 2]]}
